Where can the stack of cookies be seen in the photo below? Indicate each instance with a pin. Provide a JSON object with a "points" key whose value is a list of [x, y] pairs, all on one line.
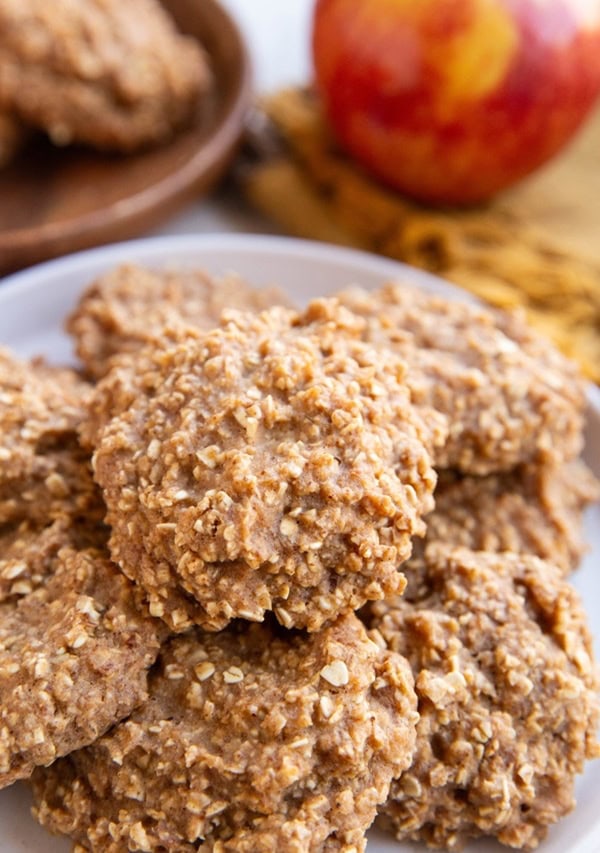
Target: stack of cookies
{"points": [[269, 573]]}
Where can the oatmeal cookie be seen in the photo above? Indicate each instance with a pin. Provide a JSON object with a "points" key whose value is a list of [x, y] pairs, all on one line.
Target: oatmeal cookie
{"points": [[130, 306], [509, 395], [531, 510], [74, 656], [29, 550], [113, 75], [253, 739], [58, 483], [38, 405], [502, 659], [48, 497], [44, 474], [275, 463]]}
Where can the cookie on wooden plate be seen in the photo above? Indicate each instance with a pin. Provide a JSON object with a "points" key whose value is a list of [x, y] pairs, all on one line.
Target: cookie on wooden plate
{"points": [[116, 76]]}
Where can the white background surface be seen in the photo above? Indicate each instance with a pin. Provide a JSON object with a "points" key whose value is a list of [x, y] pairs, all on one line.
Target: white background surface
{"points": [[32, 309], [278, 36]]}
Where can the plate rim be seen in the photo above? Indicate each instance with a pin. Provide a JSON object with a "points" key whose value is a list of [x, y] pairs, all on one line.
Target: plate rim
{"points": [[154, 248]]}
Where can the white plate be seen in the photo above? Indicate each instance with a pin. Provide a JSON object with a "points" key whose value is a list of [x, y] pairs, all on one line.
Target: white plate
{"points": [[33, 305]]}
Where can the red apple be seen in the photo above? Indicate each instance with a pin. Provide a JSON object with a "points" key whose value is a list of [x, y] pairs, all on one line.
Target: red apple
{"points": [[452, 100]]}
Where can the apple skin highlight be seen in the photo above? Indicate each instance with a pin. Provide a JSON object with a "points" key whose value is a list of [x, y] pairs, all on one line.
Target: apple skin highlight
{"points": [[451, 101]]}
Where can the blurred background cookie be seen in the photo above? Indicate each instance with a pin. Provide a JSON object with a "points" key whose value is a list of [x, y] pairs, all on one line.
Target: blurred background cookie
{"points": [[113, 75]]}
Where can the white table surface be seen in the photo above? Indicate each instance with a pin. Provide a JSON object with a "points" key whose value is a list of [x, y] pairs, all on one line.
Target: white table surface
{"points": [[278, 36]]}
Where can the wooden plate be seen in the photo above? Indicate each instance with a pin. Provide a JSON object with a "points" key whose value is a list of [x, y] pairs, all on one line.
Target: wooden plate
{"points": [[54, 201]]}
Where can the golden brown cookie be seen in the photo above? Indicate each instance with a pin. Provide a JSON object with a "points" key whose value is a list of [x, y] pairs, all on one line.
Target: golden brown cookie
{"points": [[74, 656], [510, 397], [130, 306], [109, 74], [40, 405], [252, 739], [58, 483], [48, 498], [508, 700], [530, 510], [75, 638], [44, 474], [275, 463], [29, 550]]}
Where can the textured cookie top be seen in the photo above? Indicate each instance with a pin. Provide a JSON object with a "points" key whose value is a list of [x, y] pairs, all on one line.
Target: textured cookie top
{"points": [[111, 74], [44, 474], [130, 306], [39, 406], [502, 659], [73, 660], [29, 550], [48, 498], [275, 463], [58, 484], [252, 739], [509, 395], [530, 510]]}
